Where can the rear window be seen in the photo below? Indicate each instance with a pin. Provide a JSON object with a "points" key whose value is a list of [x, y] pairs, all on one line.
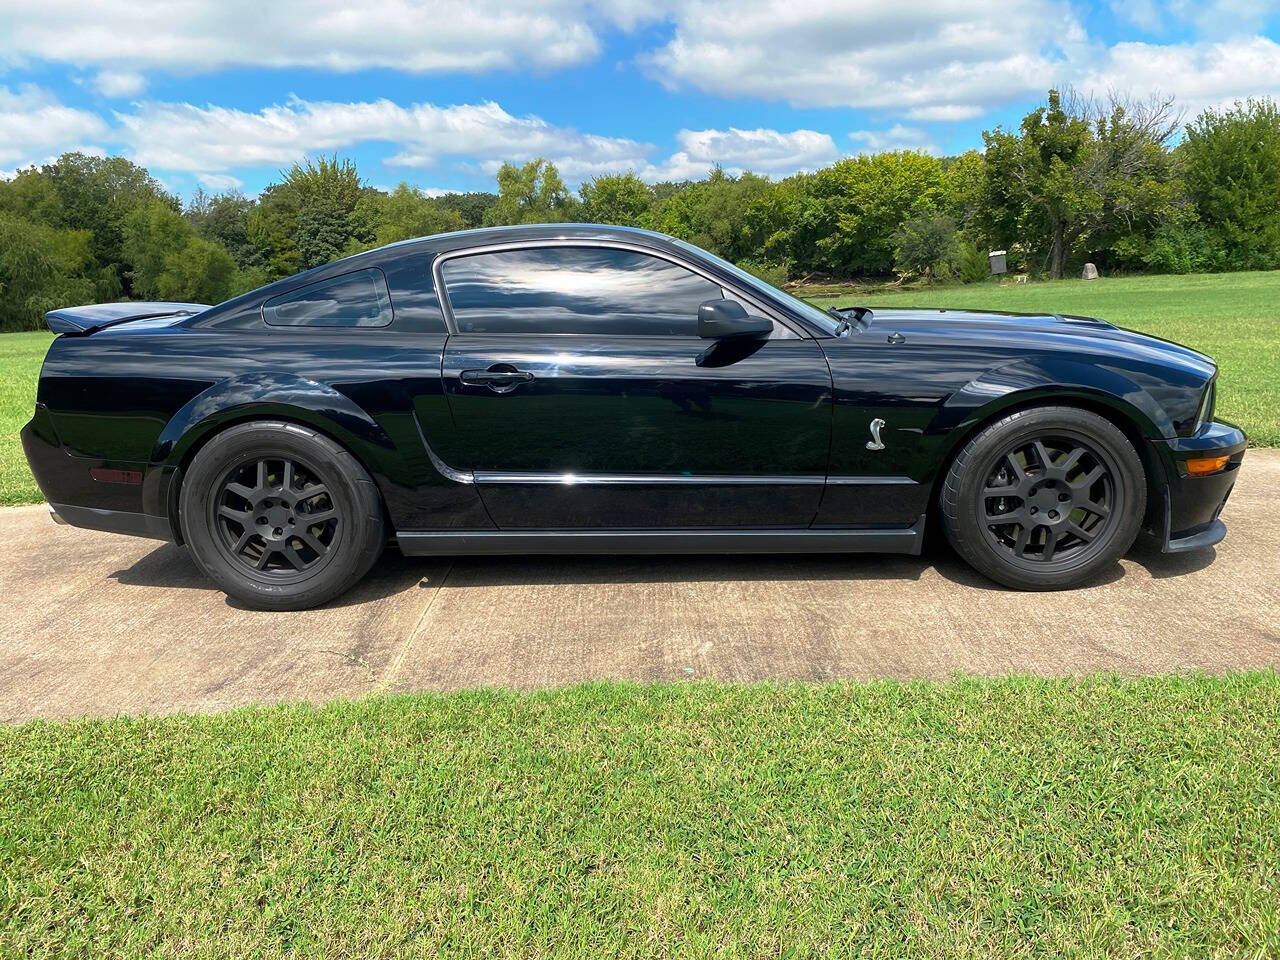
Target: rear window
{"points": [[357, 299]]}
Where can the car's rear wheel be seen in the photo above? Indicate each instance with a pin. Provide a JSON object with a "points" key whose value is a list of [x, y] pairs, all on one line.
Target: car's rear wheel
{"points": [[1045, 498], [280, 516]]}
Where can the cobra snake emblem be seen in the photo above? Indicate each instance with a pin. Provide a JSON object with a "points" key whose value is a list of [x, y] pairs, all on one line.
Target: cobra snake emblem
{"points": [[875, 443]]}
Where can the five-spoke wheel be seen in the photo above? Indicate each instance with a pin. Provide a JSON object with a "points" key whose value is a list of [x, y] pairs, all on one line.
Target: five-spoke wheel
{"points": [[279, 515], [276, 516], [1044, 498]]}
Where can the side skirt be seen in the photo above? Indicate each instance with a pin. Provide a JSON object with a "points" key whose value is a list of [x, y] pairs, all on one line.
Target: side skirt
{"points": [[423, 543]]}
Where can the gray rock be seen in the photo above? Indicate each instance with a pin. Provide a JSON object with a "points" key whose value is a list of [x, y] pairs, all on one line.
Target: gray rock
{"points": [[1090, 272]]}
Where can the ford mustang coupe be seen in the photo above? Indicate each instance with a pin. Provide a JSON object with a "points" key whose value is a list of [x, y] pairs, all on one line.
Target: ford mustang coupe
{"points": [[590, 389]]}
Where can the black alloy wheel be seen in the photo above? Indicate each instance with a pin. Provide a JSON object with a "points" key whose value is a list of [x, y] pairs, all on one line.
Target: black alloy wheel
{"points": [[1050, 498], [280, 516], [276, 517], [1044, 498]]}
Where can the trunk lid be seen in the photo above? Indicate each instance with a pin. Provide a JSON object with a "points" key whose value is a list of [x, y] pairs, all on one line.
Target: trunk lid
{"points": [[95, 316]]}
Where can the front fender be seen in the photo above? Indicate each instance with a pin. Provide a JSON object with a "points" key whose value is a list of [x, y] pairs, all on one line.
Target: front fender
{"points": [[1052, 379]]}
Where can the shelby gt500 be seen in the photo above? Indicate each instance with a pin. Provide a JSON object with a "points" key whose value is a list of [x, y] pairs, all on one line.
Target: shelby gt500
{"points": [[591, 389]]}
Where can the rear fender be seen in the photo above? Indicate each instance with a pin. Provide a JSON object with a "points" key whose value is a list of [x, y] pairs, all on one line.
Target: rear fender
{"points": [[262, 396]]}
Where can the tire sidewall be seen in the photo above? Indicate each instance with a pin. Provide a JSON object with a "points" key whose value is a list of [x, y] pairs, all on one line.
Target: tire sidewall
{"points": [[247, 441]]}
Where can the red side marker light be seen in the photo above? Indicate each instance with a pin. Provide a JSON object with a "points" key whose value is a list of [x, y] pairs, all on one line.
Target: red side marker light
{"points": [[105, 475]]}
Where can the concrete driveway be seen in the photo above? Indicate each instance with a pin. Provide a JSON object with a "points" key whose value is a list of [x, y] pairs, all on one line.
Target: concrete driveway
{"points": [[101, 624]]}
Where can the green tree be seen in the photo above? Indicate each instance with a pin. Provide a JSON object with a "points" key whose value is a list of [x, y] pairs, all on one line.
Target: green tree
{"points": [[97, 194], [620, 198], [1079, 176], [533, 193], [713, 213], [1231, 163], [381, 218], [470, 206], [223, 219], [171, 262], [924, 243], [844, 217], [272, 230], [41, 269]]}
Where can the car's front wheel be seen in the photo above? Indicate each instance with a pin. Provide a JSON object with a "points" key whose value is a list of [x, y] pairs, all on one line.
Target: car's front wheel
{"points": [[1045, 498], [280, 516]]}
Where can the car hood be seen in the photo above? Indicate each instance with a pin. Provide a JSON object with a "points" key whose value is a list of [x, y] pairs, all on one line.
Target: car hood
{"points": [[1090, 334]]}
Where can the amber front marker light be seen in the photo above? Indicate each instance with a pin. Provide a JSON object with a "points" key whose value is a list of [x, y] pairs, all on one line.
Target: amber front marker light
{"points": [[1206, 465]]}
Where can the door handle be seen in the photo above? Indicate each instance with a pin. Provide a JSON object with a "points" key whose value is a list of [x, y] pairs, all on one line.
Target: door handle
{"points": [[500, 377]]}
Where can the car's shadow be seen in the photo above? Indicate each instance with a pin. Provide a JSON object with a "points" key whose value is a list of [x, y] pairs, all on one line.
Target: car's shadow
{"points": [[171, 566]]}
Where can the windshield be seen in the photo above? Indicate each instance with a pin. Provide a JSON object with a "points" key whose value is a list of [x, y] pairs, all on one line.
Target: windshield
{"points": [[819, 318]]}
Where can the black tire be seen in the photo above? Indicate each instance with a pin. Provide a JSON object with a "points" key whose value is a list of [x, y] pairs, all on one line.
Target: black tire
{"points": [[280, 516], [1081, 508]]}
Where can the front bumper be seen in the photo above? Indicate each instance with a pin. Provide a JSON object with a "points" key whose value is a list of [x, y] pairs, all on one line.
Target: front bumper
{"points": [[1193, 505]]}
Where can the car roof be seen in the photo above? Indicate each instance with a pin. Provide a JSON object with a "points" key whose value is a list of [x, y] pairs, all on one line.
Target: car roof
{"points": [[482, 236]]}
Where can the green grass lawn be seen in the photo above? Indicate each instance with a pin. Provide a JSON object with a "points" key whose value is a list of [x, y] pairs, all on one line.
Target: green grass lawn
{"points": [[1096, 817], [1233, 317]]}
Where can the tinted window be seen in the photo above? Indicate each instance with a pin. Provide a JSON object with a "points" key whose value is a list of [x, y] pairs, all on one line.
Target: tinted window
{"points": [[358, 299], [575, 290]]}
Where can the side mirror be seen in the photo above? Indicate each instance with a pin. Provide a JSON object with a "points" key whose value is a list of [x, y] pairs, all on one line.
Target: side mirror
{"points": [[719, 319]]}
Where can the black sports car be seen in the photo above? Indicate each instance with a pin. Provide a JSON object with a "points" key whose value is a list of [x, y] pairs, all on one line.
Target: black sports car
{"points": [[589, 389]]}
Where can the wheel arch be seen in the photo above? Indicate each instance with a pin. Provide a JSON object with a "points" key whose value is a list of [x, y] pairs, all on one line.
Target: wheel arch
{"points": [[288, 399], [1123, 415]]}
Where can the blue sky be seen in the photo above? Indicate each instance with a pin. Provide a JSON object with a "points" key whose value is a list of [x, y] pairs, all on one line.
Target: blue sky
{"points": [[225, 94]]}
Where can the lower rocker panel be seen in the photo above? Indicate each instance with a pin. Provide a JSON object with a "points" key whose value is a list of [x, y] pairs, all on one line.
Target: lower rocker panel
{"points": [[422, 543]]}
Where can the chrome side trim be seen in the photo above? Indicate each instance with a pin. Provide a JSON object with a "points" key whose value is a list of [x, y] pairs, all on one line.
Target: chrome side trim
{"points": [[677, 479]]}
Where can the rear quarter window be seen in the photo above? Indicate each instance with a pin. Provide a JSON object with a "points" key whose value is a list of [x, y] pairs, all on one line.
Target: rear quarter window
{"points": [[356, 299]]}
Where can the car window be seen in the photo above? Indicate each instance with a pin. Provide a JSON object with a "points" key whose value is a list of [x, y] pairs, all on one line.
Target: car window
{"points": [[597, 290], [357, 299]]}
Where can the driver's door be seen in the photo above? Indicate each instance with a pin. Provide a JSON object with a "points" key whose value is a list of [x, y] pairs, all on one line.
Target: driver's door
{"points": [[582, 396]]}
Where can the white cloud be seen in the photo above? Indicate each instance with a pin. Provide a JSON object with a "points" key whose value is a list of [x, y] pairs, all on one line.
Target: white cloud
{"points": [[213, 139], [1198, 75], [904, 54], [950, 112], [220, 181], [33, 123], [761, 151], [896, 137], [120, 83], [194, 36]]}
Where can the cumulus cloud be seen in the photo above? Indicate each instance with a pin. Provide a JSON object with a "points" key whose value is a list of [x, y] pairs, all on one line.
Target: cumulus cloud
{"points": [[907, 54], [206, 35], [897, 137], [761, 151], [34, 126], [120, 83], [1198, 75]]}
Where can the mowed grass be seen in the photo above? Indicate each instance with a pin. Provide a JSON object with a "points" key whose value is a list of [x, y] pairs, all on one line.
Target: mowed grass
{"points": [[1018, 817], [20, 357], [1235, 318], [1232, 317]]}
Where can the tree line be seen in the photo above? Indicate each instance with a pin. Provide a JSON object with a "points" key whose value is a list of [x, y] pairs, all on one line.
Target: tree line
{"points": [[1122, 183]]}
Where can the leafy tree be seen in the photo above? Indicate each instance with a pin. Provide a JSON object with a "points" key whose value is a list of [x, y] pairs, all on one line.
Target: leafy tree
{"points": [[470, 206], [224, 219], [381, 218], [1079, 175], [620, 198], [533, 193], [41, 269], [272, 230], [171, 262], [712, 213], [97, 194], [1231, 163], [845, 216], [924, 242]]}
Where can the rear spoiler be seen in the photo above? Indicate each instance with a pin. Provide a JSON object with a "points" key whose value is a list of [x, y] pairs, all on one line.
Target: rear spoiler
{"points": [[95, 316]]}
